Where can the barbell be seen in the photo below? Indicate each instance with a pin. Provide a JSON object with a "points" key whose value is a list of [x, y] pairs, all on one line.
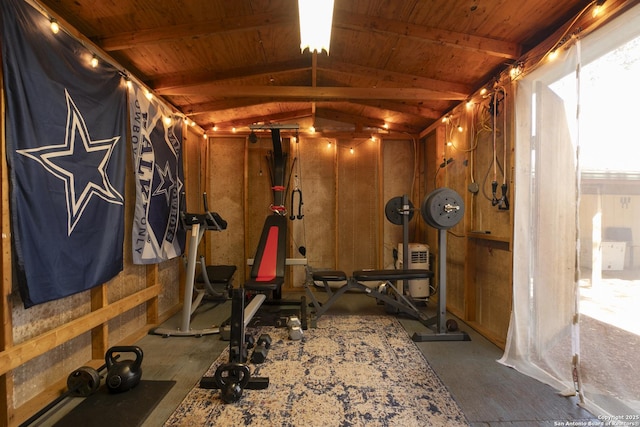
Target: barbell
{"points": [[442, 209]]}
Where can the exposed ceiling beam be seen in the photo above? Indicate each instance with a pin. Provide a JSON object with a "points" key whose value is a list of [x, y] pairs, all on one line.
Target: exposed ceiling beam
{"points": [[401, 107], [269, 118], [186, 79], [284, 93], [360, 121], [353, 21], [409, 80]]}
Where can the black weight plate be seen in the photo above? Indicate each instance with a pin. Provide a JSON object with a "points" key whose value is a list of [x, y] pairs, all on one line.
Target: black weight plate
{"points": [[83, 381], [425, 210], [443, 208], [393, 210]]}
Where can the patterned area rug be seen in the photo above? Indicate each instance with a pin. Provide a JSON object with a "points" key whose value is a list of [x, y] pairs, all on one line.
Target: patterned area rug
{"points": [[349, 371]]}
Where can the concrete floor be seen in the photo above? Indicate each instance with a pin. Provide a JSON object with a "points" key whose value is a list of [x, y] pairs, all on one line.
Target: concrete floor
{"points": [[489, 393]]}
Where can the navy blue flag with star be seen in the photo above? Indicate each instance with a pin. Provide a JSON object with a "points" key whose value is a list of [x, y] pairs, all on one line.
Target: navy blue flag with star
{"points": [[65, 139], [156, 139]]}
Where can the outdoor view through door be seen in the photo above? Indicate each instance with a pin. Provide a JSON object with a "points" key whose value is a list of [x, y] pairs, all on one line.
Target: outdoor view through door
{"points": [[583, 209]]}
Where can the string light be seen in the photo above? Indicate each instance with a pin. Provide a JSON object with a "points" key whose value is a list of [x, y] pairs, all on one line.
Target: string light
{"points": [[55, 27], [214, 128], [351, 150], [597, 9], [233, 129], [312, 129], [329, 144], [148, 94], [94, 61], [205, 136], [167, 120]]}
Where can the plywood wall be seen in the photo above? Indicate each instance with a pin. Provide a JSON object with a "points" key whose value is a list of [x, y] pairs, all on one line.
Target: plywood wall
{"points": [[467, 152], [344, 192]]}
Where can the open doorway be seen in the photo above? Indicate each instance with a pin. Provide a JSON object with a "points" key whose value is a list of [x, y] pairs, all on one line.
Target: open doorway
{"points": [[576, 313], [608, 221]]}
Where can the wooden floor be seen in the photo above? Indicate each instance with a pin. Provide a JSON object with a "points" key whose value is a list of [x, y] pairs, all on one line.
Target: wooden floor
{"points": [[489, 393]]}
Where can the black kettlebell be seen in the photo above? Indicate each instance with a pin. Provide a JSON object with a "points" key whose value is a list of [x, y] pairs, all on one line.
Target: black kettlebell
{"points": [[123, 375], [231, 379]]}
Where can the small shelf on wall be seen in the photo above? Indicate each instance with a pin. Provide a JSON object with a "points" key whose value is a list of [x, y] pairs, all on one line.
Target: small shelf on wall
{"points": [[487, 236]]}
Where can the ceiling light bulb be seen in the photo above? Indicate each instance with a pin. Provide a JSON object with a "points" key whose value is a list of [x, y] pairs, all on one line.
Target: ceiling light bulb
{"points": [[54, 26]]}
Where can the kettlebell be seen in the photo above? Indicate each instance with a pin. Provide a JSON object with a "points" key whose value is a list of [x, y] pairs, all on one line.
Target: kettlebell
{"points": [[123, 375]]}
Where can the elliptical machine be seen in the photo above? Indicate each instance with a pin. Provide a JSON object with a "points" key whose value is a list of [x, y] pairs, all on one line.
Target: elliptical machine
{"points": [[198, 223]]}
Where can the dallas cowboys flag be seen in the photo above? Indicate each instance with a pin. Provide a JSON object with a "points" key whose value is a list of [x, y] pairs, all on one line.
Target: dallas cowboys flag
{"points": [[65, 130], [157, 156]]}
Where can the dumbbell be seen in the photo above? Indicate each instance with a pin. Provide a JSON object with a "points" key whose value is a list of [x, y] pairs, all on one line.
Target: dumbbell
{"points": [[263, 344], [295, 328]]}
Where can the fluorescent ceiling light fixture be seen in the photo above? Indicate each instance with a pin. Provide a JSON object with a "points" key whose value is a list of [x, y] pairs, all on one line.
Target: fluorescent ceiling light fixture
{"points": [[316, 17]]}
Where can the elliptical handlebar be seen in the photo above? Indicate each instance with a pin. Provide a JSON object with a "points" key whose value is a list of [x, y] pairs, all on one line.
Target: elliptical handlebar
{"points": [[210, 220]]}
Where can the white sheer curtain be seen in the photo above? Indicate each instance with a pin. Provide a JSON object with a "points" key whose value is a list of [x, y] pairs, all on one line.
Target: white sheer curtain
{"points": [[539, 341], [544, 338]]}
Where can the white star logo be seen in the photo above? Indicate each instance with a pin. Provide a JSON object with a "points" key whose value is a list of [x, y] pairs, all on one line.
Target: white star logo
{"points": [[80, 163], [166, 182]]}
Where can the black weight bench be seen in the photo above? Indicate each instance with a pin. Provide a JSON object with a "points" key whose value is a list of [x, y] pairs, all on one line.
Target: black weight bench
{"points": [[391, 297]]}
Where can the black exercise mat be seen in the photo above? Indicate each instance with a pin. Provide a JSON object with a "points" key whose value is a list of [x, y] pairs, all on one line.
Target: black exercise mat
{"points": [[129, 408]]}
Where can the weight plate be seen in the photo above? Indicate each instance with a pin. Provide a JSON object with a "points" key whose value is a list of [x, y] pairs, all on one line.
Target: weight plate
{"points": [[393, 210], [443, 208], [425, 210], [83, 381]]}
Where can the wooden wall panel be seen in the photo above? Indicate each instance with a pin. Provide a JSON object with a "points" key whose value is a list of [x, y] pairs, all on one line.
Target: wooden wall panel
{"points": [[398, 160], [225, 189], [492, 289], [358, 206], [316, 169]]}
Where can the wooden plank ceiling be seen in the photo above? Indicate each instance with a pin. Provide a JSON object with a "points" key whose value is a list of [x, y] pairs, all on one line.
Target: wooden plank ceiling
{"points": [[403, 63]]}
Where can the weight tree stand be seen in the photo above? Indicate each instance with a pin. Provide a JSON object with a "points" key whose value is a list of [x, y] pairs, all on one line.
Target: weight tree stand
{"points": [[442, 209], [234, 377]]}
